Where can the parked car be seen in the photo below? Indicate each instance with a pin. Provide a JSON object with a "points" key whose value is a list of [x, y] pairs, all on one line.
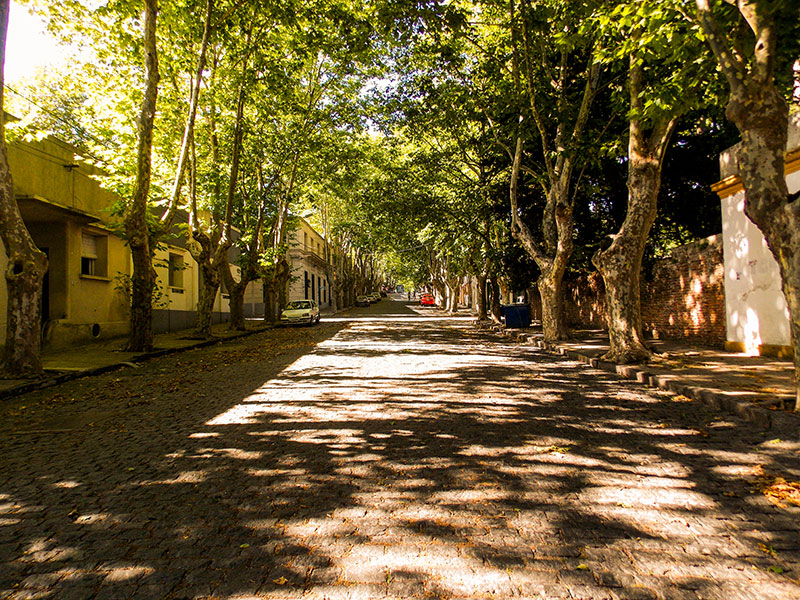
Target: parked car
{"points": [[374, 297], [427, 300], [362, 301], [300, 311]]}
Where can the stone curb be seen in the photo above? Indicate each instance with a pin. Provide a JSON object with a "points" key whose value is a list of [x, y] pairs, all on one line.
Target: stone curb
{"points": [[785, 422], [137, 358]]}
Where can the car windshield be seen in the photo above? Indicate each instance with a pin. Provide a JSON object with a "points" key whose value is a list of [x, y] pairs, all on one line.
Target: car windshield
{"points": [[298, 304]]}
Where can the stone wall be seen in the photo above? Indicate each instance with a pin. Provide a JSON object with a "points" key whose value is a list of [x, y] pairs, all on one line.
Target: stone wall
{"points": [[683, 298]]}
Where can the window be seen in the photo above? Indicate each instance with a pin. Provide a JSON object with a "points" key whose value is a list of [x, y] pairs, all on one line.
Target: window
{"points": [[94, 249], [176, 268]]}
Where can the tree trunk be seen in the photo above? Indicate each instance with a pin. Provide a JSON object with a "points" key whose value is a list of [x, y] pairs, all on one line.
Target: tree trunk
{"points": [[552, 260], [553, 323], [482, 312], [209, 286], [330, 276], [236, 301], [26, 263], [24, 274], [140, 337], [761, 114], [621, 263], [143, 280], [496, 310], [282, 274], [441, 291], [452, 295], [762, 119], [269, 297]]}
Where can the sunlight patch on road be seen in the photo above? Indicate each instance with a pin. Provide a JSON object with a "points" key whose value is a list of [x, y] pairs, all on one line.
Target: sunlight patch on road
{"points": [[67, 484], [657, 496], [236, 453], [190, 477], [350, 376], [394, 319]]}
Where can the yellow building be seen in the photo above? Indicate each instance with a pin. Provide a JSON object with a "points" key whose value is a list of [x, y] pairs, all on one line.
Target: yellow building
{"points": [[68, 215]]}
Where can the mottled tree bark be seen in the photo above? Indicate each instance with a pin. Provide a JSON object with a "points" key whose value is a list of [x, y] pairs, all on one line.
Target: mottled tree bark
{"points": [[209, 282], [553, 257], [236, 301], [235, 288], [205, 302], [269, 298], [26, 263], [330, 276], [761, 114], [451, 288], [621, 263], [553, 324], [140, 338], [558, 140], [482, 309], [495, 308], [283, 272]]}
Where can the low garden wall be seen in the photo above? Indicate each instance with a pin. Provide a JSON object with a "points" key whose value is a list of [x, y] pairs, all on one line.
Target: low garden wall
{"points": [[683, 296]]}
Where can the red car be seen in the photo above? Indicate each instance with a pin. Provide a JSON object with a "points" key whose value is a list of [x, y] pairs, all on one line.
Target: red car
{"points": [[427, 300]]}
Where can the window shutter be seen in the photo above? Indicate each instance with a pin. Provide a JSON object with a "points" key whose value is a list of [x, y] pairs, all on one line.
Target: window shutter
{"points": [[89, 246]]}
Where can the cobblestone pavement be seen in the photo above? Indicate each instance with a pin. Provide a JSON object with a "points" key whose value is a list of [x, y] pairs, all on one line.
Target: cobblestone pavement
{"points": [[403, 455]]}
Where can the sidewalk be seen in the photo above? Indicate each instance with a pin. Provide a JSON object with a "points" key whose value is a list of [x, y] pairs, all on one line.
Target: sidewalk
{"points": [[756, 388], [73, 362], [95, 358]]}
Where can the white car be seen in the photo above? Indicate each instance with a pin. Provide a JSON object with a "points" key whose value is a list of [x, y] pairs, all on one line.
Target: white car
{"points": [[300, 311]]}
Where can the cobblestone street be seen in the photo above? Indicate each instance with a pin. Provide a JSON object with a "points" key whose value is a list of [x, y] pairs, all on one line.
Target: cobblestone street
{"points": [[389, 453]]}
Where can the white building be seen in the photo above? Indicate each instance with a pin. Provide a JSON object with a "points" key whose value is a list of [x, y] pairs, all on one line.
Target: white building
{"points": [[756, 310], [307, 258]]}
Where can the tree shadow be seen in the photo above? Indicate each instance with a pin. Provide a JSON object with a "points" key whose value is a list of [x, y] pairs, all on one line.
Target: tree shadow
{"points": [[429, 461]]}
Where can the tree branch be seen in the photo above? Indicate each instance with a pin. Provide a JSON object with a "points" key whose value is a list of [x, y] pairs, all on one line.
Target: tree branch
{"points": [[732, 66]]}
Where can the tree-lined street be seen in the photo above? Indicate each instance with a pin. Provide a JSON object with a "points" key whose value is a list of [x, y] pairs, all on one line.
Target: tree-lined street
{"points": [[391, 452]]}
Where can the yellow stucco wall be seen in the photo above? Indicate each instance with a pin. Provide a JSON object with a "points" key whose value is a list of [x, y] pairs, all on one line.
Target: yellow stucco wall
{"points": [[48, 169], [60, 201]]}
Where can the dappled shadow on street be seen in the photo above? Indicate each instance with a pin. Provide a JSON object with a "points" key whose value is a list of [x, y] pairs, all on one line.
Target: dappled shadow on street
{"points": [[422, 460]]}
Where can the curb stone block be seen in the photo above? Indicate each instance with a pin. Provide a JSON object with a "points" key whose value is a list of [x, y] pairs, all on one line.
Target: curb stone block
{"points": [[762, 417]]}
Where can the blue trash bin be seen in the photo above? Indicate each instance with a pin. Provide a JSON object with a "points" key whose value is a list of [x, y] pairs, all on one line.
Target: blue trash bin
{"points": [[517, 315]]}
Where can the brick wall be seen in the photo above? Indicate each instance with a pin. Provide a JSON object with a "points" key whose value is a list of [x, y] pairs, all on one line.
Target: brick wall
{"points": [[682, 299], [685, 298]]}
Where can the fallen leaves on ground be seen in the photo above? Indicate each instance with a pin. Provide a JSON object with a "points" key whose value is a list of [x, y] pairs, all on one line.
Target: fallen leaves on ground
{"points": [[767, 549], [776, 488], [550, 449]]}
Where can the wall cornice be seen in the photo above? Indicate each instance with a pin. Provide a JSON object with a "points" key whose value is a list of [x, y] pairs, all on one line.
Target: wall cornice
{"points": [[732, 185]]}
